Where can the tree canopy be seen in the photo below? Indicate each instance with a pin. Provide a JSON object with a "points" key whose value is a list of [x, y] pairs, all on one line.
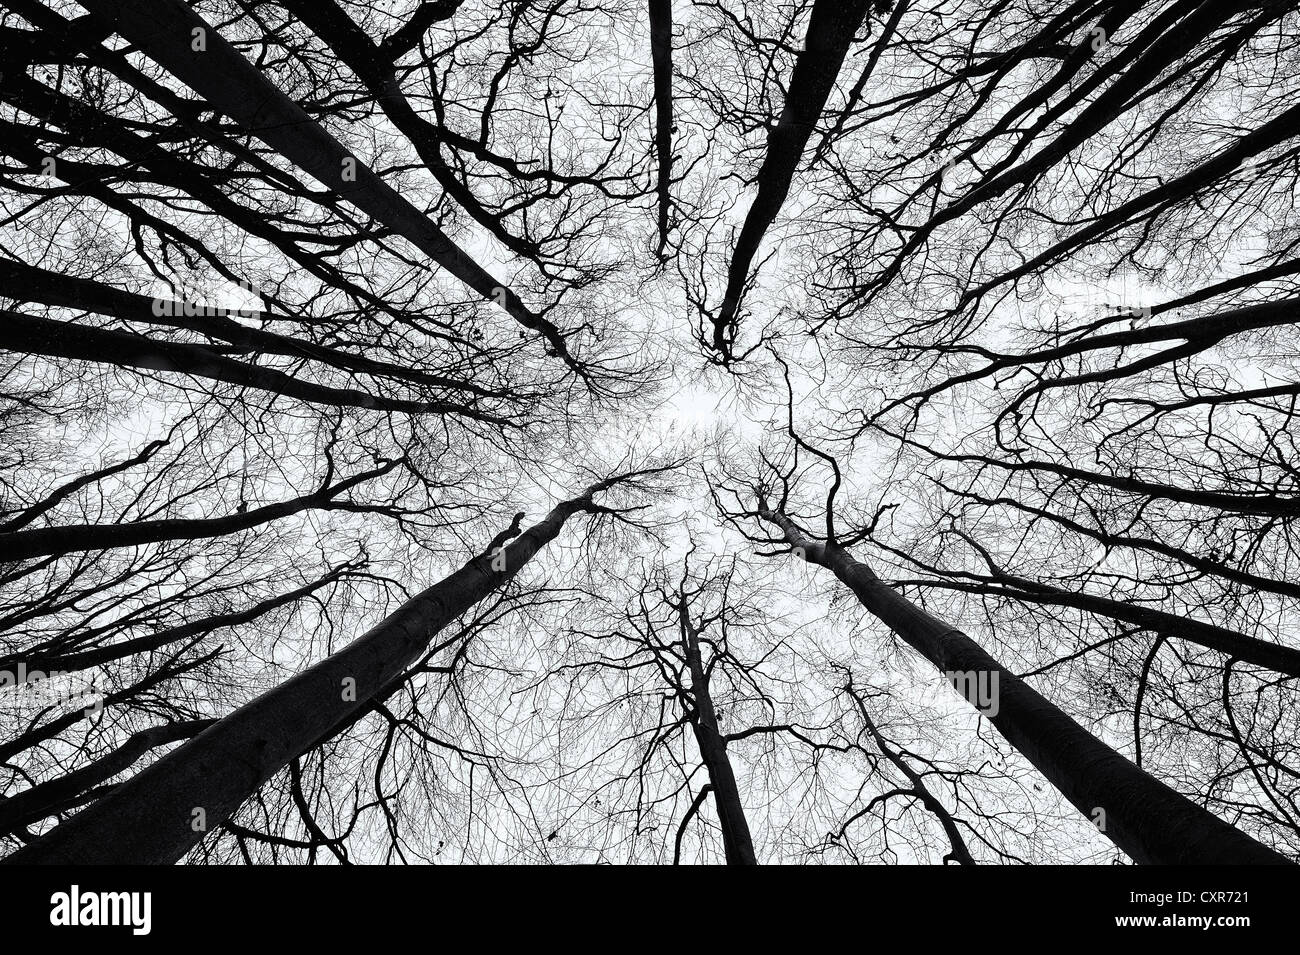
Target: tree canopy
{"points": [[650, 432]]}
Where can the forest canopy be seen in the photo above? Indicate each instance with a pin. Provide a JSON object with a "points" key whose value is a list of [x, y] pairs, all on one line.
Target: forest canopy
{"points": [[537, 431]]}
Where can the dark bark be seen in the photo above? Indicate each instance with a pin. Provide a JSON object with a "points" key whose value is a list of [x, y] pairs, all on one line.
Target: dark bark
{"points": [[163, 29], [1237, 645], [27, 334], [736, 839], [661, 56], [1268, 505], [353, 47], [151, 819], [408, 36], [32, 805], [28, 283], [1144, 817], [831, 28], [74, 538], [1163, 42], [89, 125]]}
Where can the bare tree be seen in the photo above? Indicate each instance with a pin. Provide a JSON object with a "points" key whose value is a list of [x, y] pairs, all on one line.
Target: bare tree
{"points": [[302, 302], [165, 809], [1147, 819]]}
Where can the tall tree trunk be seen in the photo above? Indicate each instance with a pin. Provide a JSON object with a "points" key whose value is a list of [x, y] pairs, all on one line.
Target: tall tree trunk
{"points": [[1247, 649], [373, 65], [28, 283], [736, 839], [661, 55], [32, 335], [1144, 817], [831, 28], [168, 32], [163, 811]]}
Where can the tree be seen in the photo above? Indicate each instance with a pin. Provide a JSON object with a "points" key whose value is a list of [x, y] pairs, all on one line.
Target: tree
{"points": [[165, 809], [986, 308], [1149, 821]]}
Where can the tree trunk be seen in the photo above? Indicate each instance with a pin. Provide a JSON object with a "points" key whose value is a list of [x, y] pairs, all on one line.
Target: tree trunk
{"points": [[167, 31], [831, 28], [1144, 817], [30, 335], [1247, 649], [661, 55], [77, 538], [713, 750], [374, 67], [28, 283], [165, 810]]}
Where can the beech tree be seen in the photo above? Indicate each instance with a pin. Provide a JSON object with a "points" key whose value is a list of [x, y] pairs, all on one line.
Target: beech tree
{"points": [[166, 808], [1148, 820], [312, 310]]}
